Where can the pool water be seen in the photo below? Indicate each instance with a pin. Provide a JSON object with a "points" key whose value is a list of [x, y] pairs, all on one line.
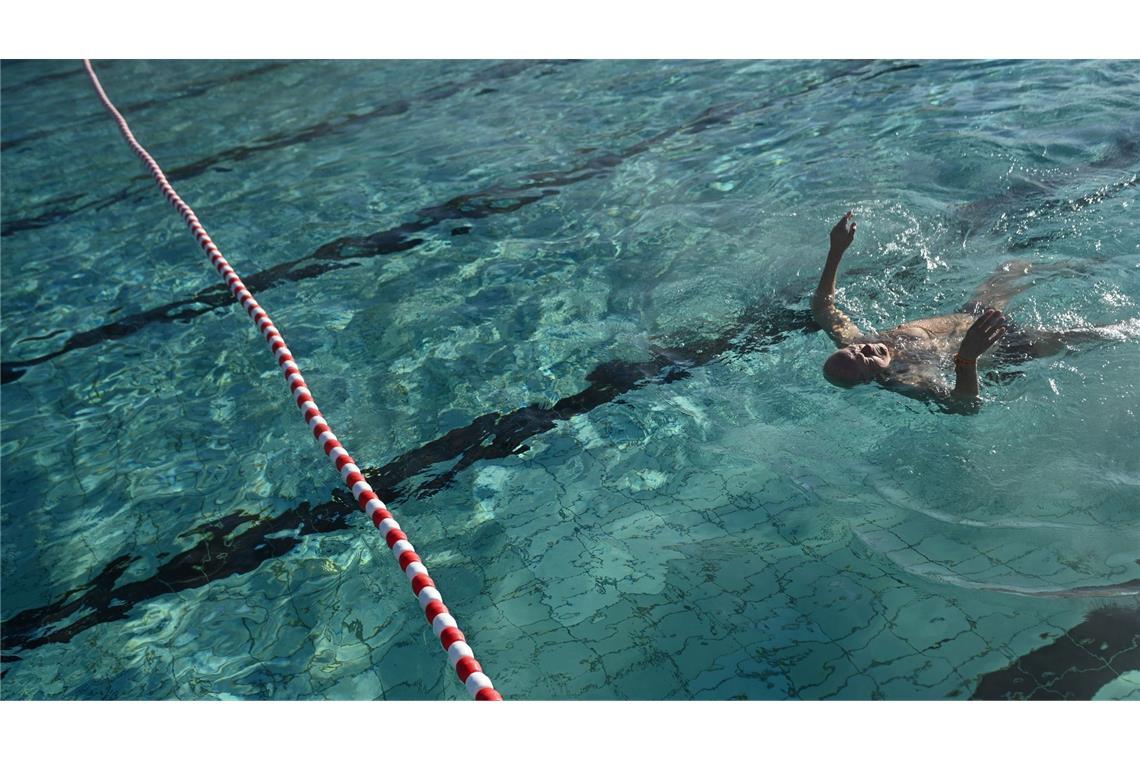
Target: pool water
{"points": [[558, 312]]}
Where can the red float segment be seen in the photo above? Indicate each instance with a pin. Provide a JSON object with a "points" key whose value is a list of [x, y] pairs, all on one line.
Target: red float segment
{"points": [[467, 668], [487, 694], [421, 580], [449, 636]]}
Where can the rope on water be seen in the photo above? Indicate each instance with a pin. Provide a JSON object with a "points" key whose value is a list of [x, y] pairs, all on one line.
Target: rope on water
{"points": [[443, 625]]}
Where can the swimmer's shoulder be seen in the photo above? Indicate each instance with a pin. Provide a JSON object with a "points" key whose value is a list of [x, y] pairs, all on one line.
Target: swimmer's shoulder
{"points": [[909, 330], [936, 327]]}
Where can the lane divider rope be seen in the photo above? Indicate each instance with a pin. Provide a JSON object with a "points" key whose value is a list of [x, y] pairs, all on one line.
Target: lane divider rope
{"points": [[443, 625]]}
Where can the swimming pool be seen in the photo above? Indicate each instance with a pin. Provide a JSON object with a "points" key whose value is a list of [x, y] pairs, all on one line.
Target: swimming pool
{"points": [[559, 313]]}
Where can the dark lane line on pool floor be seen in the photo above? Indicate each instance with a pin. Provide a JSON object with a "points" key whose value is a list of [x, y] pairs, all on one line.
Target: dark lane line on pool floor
{"points": [[1121, 156], [328, 257], [1057, 208], [891, 70], [497, 199], [1075, 665], [477, 205], [270, 142], [224, 552], [439, 92], [72, 71], [513, 427], [193, 89]]}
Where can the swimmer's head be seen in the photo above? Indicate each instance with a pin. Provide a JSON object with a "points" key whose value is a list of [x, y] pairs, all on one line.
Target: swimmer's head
{"points": [[857, 363]]}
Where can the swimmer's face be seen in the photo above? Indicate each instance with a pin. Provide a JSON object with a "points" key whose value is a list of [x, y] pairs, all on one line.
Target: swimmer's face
{"points": [[857, 363]]}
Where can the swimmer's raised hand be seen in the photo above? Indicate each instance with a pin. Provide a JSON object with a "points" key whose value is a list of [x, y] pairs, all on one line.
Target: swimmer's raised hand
{"points": [[838, 325], [985, 332], [841, 235]]}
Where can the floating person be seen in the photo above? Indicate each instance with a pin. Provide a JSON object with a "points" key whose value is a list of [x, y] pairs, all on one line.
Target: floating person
{"points": [[907, 359]]}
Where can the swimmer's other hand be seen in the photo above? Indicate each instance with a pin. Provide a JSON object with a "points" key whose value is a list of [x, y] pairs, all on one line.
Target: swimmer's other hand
{"points": [[985, 332], [841, 235]]}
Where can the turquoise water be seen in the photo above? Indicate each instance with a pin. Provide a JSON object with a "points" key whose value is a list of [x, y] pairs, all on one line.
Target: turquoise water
{"points": [[558, 312]]}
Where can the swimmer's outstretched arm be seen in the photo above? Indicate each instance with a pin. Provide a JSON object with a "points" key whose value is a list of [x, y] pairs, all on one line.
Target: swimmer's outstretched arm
{"points": [[837, 324], [985, 331]]}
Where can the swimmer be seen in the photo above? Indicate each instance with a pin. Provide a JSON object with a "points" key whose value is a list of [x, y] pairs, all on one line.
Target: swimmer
{"points": [[907, 359]]}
